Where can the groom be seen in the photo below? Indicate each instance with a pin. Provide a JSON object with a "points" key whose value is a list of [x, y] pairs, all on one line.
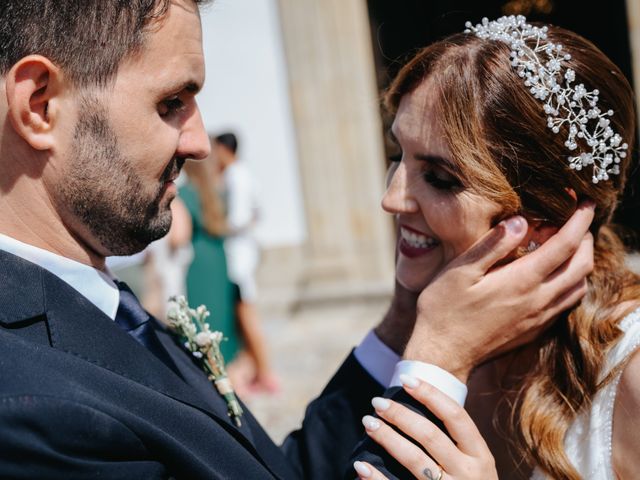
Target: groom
{"points": [[97, 117]]}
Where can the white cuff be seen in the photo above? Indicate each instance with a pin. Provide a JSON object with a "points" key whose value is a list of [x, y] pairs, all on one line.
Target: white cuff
{"points": [[436, 376], [376, 358]]}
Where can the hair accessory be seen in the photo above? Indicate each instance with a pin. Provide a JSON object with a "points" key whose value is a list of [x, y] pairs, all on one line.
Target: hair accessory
{"points": [[550, 81]]}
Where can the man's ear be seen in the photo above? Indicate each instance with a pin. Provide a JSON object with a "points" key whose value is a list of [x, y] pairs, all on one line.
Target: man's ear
{"points": [[32, 85]]}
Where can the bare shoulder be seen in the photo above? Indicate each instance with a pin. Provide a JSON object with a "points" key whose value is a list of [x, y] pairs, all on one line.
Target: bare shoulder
{"points": [[626, 421]]}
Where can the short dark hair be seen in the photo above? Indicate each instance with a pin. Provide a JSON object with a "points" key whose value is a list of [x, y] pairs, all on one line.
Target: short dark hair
{"points": [[88, 39], [229, 140]]}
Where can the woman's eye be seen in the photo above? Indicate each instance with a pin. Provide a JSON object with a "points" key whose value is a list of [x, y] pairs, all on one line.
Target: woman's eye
{"points": [[441, 179], [170, 106]]}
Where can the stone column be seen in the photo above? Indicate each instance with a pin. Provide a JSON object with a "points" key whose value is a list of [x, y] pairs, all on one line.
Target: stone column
{"points": [[633, 17], [338, 130]]}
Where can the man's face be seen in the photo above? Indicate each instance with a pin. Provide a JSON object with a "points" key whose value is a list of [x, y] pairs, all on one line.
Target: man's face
{"points": [[131, 139]]}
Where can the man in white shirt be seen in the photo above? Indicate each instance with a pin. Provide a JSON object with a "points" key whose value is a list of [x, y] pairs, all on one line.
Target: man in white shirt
{"points": [[97, 116], [241, 249]]}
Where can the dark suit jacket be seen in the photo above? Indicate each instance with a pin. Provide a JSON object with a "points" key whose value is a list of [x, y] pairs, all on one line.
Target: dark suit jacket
{"points": [[80, 398]]}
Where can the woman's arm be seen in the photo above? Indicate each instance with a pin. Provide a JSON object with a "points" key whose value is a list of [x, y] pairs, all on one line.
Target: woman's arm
{"points": [[181, 226], [626, 422]]}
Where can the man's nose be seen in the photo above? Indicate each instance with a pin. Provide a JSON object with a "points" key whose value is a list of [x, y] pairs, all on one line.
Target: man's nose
{"points": [[398, 198], [194, 140]]}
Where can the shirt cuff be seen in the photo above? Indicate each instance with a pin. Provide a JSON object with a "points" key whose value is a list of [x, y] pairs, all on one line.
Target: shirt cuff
{"points": [[376, 358], [436, 376]]}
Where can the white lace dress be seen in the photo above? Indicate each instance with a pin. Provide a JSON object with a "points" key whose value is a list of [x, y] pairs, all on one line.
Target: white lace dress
{"points": [[588, 440]]}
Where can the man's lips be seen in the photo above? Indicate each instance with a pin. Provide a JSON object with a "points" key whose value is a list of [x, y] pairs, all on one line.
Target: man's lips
{"points": [[172, 172]]}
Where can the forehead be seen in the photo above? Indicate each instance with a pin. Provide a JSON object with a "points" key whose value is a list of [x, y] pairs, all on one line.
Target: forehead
{"points": [[416, 123], [172, 51]]}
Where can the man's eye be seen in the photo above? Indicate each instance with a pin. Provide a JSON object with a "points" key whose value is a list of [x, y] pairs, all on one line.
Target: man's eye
{"points": [[171, 106]]}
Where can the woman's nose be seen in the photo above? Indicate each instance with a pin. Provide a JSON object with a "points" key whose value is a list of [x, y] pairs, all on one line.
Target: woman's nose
{"points": [[398, 197]]}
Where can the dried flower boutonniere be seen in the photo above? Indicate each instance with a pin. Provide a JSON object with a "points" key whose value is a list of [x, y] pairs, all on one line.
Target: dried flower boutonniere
{"points": [[204, 345]]}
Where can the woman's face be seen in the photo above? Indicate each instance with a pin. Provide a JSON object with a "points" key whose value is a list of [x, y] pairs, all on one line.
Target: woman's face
{"points": [[438, 218]]}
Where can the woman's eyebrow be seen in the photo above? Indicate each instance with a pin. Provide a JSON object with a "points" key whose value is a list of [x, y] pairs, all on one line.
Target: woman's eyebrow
{"points": [[436, 160]]}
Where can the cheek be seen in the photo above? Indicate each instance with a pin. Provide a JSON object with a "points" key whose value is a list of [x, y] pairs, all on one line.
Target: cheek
{"points": [[459, 222], [149, 152], [145, 138]]}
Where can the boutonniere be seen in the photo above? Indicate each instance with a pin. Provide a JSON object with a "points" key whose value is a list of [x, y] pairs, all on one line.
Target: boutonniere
{"points": [[204, 345]]}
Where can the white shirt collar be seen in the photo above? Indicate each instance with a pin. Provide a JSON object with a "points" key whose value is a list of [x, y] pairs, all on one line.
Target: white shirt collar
{"points": [[98, 287]]}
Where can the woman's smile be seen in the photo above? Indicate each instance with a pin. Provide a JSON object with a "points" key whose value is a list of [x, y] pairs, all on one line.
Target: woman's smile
{"points": [[414, 243]]}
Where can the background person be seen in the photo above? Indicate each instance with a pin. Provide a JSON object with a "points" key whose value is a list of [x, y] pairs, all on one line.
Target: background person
{"points": [[207, 279], [239, 193]]}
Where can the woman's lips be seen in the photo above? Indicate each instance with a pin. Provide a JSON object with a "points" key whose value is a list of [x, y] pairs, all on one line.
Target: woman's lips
{"points": [[414, 244]]}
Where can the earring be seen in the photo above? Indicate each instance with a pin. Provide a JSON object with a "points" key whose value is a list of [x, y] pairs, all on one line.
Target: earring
{"points": [[532, 247]]}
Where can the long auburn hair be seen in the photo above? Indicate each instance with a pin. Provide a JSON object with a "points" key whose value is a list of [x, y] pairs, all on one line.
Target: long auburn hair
{"points": [[498, 137]]}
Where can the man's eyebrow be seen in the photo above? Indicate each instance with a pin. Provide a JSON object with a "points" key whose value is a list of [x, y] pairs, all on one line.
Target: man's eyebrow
{"points": [[190, 86]]}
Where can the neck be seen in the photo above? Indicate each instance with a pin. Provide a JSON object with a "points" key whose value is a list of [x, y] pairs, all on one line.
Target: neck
{"points": [[31, 218]]}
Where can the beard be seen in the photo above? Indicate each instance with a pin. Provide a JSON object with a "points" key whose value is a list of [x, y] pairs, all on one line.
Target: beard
{"points": [[104, 193]]}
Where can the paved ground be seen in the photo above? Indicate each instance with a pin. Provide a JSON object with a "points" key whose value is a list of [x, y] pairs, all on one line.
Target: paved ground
{"points": [[307, 348]]}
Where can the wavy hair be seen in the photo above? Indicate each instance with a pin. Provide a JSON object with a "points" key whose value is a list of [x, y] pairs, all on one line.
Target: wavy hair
{"points": [[499, 140]]}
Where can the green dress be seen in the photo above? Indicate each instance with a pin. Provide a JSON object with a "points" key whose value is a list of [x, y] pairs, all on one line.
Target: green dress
{"points": [[207, 280]]}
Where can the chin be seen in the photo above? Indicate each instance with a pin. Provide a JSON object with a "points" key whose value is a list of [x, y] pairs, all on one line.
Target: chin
{"points": [[411, 283]]}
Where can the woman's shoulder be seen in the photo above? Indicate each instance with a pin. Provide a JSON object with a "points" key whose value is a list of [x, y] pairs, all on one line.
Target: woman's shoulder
{"points": [[601, 435], [626, 421], [630, 339]]}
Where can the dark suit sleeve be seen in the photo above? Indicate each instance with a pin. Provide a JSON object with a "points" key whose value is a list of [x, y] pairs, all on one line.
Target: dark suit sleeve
{"points": [[332, 424], [369, 451], [46, 437]]}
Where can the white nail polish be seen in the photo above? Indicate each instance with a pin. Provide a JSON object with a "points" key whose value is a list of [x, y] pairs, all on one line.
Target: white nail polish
{"points": [[380, 404], [370, 423], [361, 469], [409, 381]]}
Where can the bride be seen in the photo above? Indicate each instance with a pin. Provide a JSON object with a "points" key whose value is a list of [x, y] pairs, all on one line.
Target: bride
{"points": [[509, 118]]}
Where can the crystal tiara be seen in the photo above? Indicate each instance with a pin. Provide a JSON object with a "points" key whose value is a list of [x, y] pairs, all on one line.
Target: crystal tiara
{"points": [[544, 72]]}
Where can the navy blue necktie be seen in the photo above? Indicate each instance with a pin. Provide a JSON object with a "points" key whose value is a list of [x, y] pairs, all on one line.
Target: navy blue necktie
{"points": [[134, 320]]}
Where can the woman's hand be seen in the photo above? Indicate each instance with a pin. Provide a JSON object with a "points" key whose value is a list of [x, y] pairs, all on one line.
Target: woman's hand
{"points": [[474, 311], [464, 456]]}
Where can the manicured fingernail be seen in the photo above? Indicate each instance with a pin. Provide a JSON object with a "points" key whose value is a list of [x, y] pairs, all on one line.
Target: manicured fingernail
{"points": [[370, 423], [361, 469], [380, 404], [515, 225], [409, 381]]}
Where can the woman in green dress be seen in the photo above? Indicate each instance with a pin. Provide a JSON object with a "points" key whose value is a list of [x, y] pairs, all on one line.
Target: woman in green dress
{"points": [[207, 280]]}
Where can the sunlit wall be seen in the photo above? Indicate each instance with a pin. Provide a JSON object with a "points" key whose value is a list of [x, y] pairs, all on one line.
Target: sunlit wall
{"points": [[246, 91]]}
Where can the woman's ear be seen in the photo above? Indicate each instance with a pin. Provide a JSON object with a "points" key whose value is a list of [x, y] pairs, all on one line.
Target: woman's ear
{"points": [[32, 85]]}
